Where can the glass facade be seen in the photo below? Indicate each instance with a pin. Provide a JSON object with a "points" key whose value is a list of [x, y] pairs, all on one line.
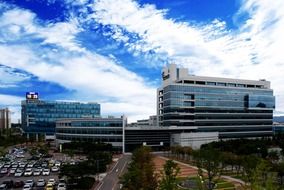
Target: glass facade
{"points": [[39, 116], [216, 108], [106, 130]]}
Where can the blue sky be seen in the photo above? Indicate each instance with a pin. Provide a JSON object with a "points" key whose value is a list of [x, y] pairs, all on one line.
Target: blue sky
{"points": [[112, 51]]}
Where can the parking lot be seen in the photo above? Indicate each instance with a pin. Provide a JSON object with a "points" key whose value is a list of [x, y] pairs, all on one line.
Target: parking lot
{"points": [[20, 170]]}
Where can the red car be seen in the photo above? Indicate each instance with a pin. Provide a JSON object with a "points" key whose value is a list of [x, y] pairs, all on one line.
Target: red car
{"points": [[18, 184]]}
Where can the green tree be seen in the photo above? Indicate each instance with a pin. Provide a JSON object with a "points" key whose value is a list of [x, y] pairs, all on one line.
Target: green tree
{"points": [[249, 164], [208, 159], [140, 175], [263, 178], [169, 176]]}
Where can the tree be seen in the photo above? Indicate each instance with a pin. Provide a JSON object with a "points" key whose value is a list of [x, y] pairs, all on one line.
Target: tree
{"points": [[208, 159], [140, 175], [2, 151], [273, 156], [169, 176]]}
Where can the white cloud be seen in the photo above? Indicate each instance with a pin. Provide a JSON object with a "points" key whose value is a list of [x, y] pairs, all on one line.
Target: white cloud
{"points": [[92, 76], [9, 100], [254, 51]]}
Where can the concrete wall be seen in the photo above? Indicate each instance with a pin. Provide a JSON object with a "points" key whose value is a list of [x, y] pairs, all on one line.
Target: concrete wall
{"points": [[194, 140]]}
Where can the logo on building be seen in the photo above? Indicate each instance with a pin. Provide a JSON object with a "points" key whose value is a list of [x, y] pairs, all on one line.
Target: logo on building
{"points": [[31, 95]]}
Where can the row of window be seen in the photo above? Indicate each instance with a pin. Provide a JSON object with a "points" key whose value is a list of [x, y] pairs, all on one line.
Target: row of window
{"points": [[62, 111], [219, 90], [89, 139], [90, 131]]}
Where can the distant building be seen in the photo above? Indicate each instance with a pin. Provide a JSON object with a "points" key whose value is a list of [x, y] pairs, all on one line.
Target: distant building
{"points": [[106, 130], [235, 108], [152, 121], [39, 116], [5, 119]]}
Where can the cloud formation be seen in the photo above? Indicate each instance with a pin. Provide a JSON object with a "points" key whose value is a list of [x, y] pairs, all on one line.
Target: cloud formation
{"points": [[54, 55], [253, 51], [52, 51]]}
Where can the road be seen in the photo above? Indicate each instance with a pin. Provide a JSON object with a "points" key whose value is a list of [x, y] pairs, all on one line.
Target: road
{"points": [[111, 181]]}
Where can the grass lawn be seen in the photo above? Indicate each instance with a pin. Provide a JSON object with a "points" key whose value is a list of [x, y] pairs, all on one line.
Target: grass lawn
{"points": [[221, 184]]}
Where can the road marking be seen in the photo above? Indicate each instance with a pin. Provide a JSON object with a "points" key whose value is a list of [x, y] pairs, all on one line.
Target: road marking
{"points": [[114, 166], [100, 186], [122, 168]]}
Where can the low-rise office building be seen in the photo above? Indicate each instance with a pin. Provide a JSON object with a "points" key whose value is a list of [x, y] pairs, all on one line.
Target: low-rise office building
{"points": [[39, 116], [106, 130]]}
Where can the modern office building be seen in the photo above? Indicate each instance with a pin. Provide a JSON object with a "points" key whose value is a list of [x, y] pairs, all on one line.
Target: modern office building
{"points": [[39, 116], [235, 108], [5, 118], [106, 130]]}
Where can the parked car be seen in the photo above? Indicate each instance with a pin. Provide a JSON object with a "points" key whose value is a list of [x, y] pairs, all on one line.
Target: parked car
{"points": [[46, 172], [54, 169], [12, 171], [51, 181], [28, 172], [37, 172], [27, 187], [18, 173], [22, 165], [57, 163], [40, 183], [9, 183], [30, 182], [7, 166], [14, 166], [18, 184], [30, 165], [61, 186], [3, 187], [49, 187], [4, 171], [44, 164]]}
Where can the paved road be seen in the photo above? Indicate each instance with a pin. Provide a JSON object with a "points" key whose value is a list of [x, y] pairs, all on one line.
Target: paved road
{"points": [[111, 181]]}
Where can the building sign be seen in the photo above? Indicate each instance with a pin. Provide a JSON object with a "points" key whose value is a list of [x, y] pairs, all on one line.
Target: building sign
{"points": [[31, 95]]}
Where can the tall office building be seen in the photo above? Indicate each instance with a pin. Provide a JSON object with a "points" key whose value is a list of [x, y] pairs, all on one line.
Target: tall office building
{"points": [[39, 116], [233, 107], [5, 118]]}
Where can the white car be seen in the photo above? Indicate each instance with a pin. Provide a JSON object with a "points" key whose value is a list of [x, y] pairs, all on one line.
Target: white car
{"points": [[61, 186], [40, 183], [57, 163], [28, 172], [51, 181], [45, 171], [4, 171], [22, 165], [37, 172], [27, 187], [30, 165], [18, 173], [20, 156], [30, 182], [54, 169]]}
